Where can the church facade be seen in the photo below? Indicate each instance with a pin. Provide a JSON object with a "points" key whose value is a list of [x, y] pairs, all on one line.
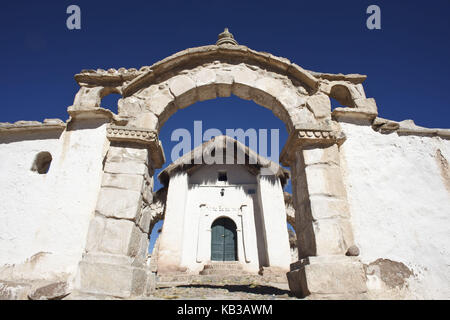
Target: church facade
{"points": [[369, 204], [223, 211]]}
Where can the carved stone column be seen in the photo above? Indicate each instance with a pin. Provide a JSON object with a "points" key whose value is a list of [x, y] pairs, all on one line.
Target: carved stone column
{"points": [[322, 217], [117, 244]]}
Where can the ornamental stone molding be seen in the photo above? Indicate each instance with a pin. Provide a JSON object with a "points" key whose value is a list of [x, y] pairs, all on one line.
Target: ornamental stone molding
{"points": [[139, 136], [153, 93], [308, 137]]}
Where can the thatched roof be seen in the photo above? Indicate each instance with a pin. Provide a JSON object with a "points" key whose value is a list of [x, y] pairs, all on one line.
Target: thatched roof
{"points": [[225, 146]]}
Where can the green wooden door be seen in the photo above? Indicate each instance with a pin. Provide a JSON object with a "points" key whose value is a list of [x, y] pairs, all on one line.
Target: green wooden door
{"points": [[223, 240]]}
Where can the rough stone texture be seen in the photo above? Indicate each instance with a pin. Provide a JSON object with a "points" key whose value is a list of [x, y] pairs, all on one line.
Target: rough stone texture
{"points": [[353, 251], [392, 273], [123, 181], [14, 290], [118, 203], [111, 279], [328, 275], [53, 291], [320, 105], [250, 82], [221, 289]]}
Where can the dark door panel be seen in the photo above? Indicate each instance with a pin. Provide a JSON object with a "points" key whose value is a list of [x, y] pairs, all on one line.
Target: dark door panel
{"points": [[223, 240]]}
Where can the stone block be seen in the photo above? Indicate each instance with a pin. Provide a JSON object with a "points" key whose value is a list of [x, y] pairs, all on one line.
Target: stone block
{"points": [[145, 120], [328, 275], [244, 79], [145, 219], [88, 98], [142, 250], [159, 101], [107, 258], [263, 99], [111, 279], [119, 203], [167, 113], [147, 92], [224, 81], [128, 167], [184, 90], [120, 237], [95, 233], [52, 291], [325, 180], [326, 207], [368, 105], [129, 106], [306, 243], [123, 154], [150, 286], [123, 181], [204, 77], [205, 82], [290, 99], [320, 105], [328, 236], [328, 155], [269, 85]]}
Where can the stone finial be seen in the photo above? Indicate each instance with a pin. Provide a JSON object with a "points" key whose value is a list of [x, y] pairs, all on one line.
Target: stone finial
{"points": [[226, 38]]}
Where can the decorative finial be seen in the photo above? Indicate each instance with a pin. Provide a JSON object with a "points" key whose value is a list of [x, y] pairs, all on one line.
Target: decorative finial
{"points": [[226, 38]]}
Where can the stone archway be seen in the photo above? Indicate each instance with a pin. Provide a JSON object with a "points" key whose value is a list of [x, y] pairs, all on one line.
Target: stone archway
{"points": [[119, 232]]}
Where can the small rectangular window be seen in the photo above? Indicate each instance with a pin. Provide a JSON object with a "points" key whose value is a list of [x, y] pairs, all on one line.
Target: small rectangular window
{"points": [[251, 191], [223, 176]]}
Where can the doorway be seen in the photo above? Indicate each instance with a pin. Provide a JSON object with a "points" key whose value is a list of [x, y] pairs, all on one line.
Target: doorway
{"points": [[223, 240]]}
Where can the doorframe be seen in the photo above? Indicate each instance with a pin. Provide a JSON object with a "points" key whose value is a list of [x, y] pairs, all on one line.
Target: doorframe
{"points": [[207, 217], [235, 240]]}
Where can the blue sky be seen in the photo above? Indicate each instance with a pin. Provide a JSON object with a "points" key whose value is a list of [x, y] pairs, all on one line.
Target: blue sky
{"points": [[407, 61]]}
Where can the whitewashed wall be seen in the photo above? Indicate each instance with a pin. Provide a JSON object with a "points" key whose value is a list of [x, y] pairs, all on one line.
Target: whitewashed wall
{"points": [[45, 218], [204, 189], [400, 208]]}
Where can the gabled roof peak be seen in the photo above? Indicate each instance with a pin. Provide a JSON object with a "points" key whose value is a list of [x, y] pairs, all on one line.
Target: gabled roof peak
{"points": [[232, 148]]}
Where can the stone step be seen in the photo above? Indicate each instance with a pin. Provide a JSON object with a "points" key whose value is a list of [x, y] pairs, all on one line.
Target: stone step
{"points": [[223, 266], [215, 279], [222, 272]]}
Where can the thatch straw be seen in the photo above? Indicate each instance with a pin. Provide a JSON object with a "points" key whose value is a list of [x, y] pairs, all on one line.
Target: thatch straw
{"points": [[224, 145]]}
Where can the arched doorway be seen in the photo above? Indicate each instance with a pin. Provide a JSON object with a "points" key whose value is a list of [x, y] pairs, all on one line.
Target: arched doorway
{"points": [[223, 240]]}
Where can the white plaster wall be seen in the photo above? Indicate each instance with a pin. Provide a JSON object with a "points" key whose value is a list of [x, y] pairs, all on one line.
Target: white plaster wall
{"points": [[171, 245], [45, 218], [273, 208], [237, 204], [399, 204]]}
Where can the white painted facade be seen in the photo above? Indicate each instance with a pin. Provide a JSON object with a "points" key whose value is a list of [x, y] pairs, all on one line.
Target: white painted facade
{"points": [[243, 197], [45, 217], [400, 205], [398, 198]]}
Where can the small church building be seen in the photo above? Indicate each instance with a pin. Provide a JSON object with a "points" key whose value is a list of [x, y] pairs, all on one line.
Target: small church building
{"points": [[227, 210]]}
